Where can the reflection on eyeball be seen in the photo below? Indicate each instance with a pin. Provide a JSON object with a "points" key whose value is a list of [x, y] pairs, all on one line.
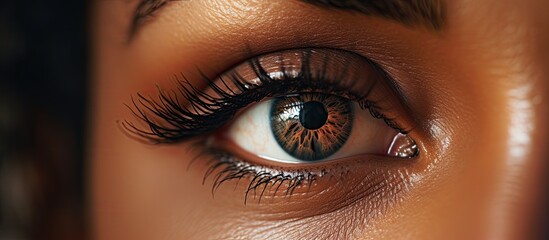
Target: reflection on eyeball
{"points": [[312, 127]]}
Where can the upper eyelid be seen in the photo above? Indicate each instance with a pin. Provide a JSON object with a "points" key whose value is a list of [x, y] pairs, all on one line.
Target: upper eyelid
{"points": [[194, 118]]}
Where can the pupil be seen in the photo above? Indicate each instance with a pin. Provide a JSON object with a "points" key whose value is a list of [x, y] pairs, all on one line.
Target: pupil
{"points": [[313, 115], [301, 126]]}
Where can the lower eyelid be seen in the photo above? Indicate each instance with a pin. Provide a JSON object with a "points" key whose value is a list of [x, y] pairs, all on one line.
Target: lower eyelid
{"points": [[374, 184]]}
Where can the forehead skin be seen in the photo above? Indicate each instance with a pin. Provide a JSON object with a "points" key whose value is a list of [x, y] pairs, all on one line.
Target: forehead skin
{"points": [[480, 87]]}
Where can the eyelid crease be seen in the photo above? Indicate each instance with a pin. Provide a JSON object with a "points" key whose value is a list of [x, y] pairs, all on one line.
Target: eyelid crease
{"points": [[167, 120]]}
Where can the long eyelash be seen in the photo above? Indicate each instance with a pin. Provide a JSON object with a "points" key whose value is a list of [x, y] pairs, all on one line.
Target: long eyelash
{"points": [[168, 121], [224, 167]]}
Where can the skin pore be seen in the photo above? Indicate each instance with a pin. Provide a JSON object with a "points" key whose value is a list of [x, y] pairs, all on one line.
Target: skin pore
{"points": [[474, 88]]}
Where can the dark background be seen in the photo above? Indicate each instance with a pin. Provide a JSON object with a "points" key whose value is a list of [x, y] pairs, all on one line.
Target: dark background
{"points": [[43, 72]]}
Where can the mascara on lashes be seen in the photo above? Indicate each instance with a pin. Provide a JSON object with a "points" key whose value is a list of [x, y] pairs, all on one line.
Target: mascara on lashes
{"points": [[166, 120]]}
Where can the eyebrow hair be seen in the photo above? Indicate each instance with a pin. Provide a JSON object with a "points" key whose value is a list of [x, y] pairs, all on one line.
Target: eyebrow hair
{"points": [[430, 14], [144, 11]]}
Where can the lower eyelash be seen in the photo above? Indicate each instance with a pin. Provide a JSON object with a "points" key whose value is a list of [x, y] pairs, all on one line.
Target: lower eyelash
{"points": [[224, 167]]}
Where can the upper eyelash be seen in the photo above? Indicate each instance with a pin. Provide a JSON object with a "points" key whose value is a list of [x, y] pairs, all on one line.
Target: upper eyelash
{"points": [[206, 113]]}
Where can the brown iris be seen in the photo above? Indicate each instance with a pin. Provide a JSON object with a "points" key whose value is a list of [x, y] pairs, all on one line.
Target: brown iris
{"points": [[311, 126]]}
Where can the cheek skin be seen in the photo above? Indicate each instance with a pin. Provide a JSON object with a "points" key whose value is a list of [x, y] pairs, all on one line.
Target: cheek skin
{"points": [[478, 90], [496, 136], [512, 67]]}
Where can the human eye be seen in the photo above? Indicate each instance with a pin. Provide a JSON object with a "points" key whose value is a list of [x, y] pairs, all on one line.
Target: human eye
{"points": [[326, 117], [284, 120]]}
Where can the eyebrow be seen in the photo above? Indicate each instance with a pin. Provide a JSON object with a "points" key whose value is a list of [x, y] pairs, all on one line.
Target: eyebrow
{"points": [[429, 14], [144, 11]]}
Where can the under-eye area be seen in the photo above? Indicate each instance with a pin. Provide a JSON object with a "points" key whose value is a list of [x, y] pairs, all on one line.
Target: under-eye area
{"points": [[291, 122], [368, 182]]}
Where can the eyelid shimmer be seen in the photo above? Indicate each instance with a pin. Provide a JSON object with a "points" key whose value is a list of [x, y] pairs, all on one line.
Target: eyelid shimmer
{"points": [[167, 120]]}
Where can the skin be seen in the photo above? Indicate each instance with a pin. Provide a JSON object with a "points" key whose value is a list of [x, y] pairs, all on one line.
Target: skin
{"points": [[476, 90]]}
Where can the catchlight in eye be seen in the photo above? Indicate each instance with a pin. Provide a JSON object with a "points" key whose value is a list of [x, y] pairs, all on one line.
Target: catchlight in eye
{"points": [[311, 126]]}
